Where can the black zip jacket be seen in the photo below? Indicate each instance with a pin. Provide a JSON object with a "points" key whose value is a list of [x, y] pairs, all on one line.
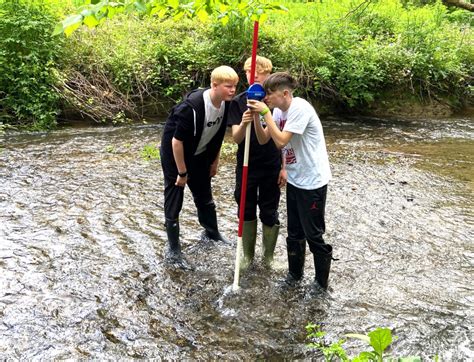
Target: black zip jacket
{"points": [[186, 123]]}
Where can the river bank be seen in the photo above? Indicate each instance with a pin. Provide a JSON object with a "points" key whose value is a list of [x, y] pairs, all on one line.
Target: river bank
{"points": [[383, 58]]}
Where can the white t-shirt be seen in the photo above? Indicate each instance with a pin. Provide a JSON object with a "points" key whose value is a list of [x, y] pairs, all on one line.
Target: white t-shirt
{"points": [[212, 121], [307, 162]]}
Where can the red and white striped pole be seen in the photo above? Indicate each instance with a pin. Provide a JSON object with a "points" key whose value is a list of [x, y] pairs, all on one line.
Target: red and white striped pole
{"points": [[243, 189]]}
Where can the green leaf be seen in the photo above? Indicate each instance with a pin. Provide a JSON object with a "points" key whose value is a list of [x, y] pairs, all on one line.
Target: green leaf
{"points": [[72, 20], [409, 359], [58, 29], [155, 9], [87, 12], [173, 3], [364, 357], [163, 12], [224, 20], [70, 29], [380, 339], [362, 337], [140, 6], [202, 15], [178, 15], [90, 21]]}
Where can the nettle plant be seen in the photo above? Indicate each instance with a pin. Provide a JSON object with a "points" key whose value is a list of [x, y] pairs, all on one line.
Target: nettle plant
{"points": [[379, 339]]}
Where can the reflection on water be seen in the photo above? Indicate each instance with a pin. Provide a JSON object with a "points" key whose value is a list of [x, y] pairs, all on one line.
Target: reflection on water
{"points": [[81, 272]]}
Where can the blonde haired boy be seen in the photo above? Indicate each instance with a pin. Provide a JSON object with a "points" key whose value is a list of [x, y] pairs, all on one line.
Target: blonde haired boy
{"points": [[266, 174], [262, 66], [190, 148]]}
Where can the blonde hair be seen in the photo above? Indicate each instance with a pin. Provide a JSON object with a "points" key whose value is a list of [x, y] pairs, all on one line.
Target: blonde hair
{"points": [[223, 74], [262, 64]]}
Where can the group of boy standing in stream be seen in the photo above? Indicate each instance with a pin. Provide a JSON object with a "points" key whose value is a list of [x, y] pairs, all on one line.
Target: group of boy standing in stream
{"points": [[287, 148]]}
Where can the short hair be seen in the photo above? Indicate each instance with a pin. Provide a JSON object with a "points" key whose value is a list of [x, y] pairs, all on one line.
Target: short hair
{"points": [[262, 64], [279, 81], [223, 74]]}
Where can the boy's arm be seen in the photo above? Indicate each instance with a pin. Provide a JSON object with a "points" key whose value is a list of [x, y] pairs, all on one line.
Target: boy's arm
{"points": [[281, 138], [178, 154], [235, 117], [215, 165], [263, 136], [282, 176], [238, 132], [184, 130]]}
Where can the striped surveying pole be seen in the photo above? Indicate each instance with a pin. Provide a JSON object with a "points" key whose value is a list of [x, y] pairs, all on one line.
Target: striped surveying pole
{"points": [[243, 190]]}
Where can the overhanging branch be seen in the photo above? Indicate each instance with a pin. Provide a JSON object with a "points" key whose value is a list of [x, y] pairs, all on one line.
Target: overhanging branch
{"points": [[459, 4]]}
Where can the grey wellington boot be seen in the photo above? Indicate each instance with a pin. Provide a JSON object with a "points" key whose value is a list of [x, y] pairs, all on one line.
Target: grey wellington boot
{"points": [[249, 238], [269, 240]]}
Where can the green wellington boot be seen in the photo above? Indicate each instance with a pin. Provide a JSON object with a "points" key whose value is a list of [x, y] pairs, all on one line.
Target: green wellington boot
{"points": [[249, 238], [269, 240]]}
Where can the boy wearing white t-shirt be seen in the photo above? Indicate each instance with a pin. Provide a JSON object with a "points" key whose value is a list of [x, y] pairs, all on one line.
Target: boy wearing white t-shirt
{"points": [[295, 127]]}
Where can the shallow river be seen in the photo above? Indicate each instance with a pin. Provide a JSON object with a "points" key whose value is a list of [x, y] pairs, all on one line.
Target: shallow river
{"points": [[82, 242]]}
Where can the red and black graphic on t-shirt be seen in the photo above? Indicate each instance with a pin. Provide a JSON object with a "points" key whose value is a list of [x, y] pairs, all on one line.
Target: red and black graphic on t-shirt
{"points": [[290, 157]]}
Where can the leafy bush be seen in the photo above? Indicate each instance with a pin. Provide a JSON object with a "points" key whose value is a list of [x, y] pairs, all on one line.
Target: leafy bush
{"points": [[144, 64], [28, 55], [379, 339], [351, 53]]}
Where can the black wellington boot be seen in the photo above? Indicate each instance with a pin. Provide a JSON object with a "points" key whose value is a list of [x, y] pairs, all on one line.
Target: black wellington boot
{"points": [[173, 254], [322, 266], [208, 220], [296, 250]]}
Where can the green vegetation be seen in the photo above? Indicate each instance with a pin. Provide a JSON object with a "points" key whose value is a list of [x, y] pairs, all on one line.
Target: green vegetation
{"points": [[347, 55], [28, 64], [379, 339], [110, 149], [351, 54], [150, 152]]}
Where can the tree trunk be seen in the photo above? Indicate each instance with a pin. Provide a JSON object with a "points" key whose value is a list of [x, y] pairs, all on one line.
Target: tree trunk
{"points": [[460, 4]]}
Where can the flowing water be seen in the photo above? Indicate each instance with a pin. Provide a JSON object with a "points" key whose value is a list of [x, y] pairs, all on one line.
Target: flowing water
{"points": [[82, 243]]}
